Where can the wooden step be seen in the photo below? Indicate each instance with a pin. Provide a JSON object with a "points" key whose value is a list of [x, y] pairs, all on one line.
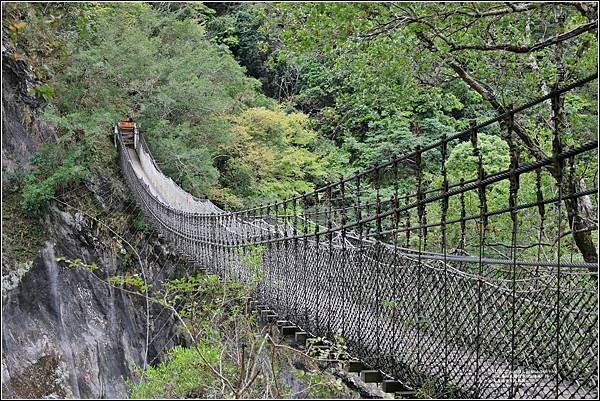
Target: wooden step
{"points": [[355, 366], [392, 386], [371, 376]]}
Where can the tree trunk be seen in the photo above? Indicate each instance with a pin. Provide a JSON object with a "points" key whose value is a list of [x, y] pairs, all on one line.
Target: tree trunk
{"points": [[582, 233], [581, 228]]}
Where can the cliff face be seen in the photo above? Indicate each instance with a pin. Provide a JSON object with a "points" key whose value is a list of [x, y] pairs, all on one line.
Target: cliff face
{"points": [[21, 134], [65, 333]]}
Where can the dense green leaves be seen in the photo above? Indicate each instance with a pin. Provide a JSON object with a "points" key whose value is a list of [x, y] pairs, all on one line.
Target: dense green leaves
{"points": [[272, 155], [52, 171], [426, 60], [374, 79], [399, 75], [183, 375], [190, 97], [463, 163]]}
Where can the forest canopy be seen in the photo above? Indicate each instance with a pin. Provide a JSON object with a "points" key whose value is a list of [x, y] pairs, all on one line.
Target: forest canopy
{"points": [[188, 94], [406, 189], [247, 103]]}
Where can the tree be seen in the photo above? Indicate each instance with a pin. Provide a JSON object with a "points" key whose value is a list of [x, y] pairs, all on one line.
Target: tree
{"points": [[272, 155], [504, 52], [157, 63]]}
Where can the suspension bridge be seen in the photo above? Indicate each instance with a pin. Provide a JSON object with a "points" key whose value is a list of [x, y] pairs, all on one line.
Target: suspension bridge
{"points": [[419, 281]]}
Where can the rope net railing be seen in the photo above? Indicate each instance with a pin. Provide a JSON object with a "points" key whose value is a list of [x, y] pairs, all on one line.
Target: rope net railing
{"points": [[470, 282]]}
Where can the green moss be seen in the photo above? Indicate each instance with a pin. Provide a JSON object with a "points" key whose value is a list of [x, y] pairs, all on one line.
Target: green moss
{"points": [[22, 233]]}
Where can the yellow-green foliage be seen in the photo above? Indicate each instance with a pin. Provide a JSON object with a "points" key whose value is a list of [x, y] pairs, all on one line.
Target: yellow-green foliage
{"points": [[183, 375], [272, 155]]}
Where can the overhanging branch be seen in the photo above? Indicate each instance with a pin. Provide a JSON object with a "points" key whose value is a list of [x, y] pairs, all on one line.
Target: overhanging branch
{"points": [[531, 48]]}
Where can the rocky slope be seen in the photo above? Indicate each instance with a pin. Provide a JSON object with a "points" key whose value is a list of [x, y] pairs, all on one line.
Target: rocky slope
{"points": [[65, 333]]}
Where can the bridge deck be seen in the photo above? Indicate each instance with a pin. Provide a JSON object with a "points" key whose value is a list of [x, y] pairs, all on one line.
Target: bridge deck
{"points": [[405, 346], [139, 171]]}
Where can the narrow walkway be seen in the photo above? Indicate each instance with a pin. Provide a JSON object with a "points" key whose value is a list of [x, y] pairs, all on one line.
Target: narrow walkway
{"points": [[325, 286]]}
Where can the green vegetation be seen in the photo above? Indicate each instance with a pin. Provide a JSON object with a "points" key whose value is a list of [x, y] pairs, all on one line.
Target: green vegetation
{"points": [[22, 234], [192, 100], [228, 353], [374, 80], [139, 222], [273, 155], [248, 103], [381, 78], [323, 348], [53, 171], [183, 376]]}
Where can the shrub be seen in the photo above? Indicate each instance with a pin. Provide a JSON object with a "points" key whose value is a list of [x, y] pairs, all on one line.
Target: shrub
{"points": [[51, 173], [182, 375]]}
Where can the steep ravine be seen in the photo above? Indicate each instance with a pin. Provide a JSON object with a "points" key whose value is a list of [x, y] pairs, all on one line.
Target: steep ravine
{"points": [[64, 332]]}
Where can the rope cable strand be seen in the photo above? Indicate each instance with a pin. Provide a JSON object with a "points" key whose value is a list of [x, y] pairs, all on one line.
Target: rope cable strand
{"points": [[333, 259]]}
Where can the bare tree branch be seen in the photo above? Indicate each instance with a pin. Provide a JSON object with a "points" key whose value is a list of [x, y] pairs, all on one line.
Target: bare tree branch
{"points": [[530, 48]]}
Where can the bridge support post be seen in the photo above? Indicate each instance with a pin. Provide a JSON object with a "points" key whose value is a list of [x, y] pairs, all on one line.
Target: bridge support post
{"points": [[301, 337], [393, 386], [289, 330]]}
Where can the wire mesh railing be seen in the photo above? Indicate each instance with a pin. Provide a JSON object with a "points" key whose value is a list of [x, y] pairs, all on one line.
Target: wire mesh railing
{"points": [[477, 281]]}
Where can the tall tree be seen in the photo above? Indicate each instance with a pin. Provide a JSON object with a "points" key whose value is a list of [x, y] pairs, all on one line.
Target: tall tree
{"points": [[505, 52]]}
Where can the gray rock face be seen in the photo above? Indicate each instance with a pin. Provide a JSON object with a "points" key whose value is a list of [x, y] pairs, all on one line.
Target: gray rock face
{"points": [[21, 133], [65, 333]]}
